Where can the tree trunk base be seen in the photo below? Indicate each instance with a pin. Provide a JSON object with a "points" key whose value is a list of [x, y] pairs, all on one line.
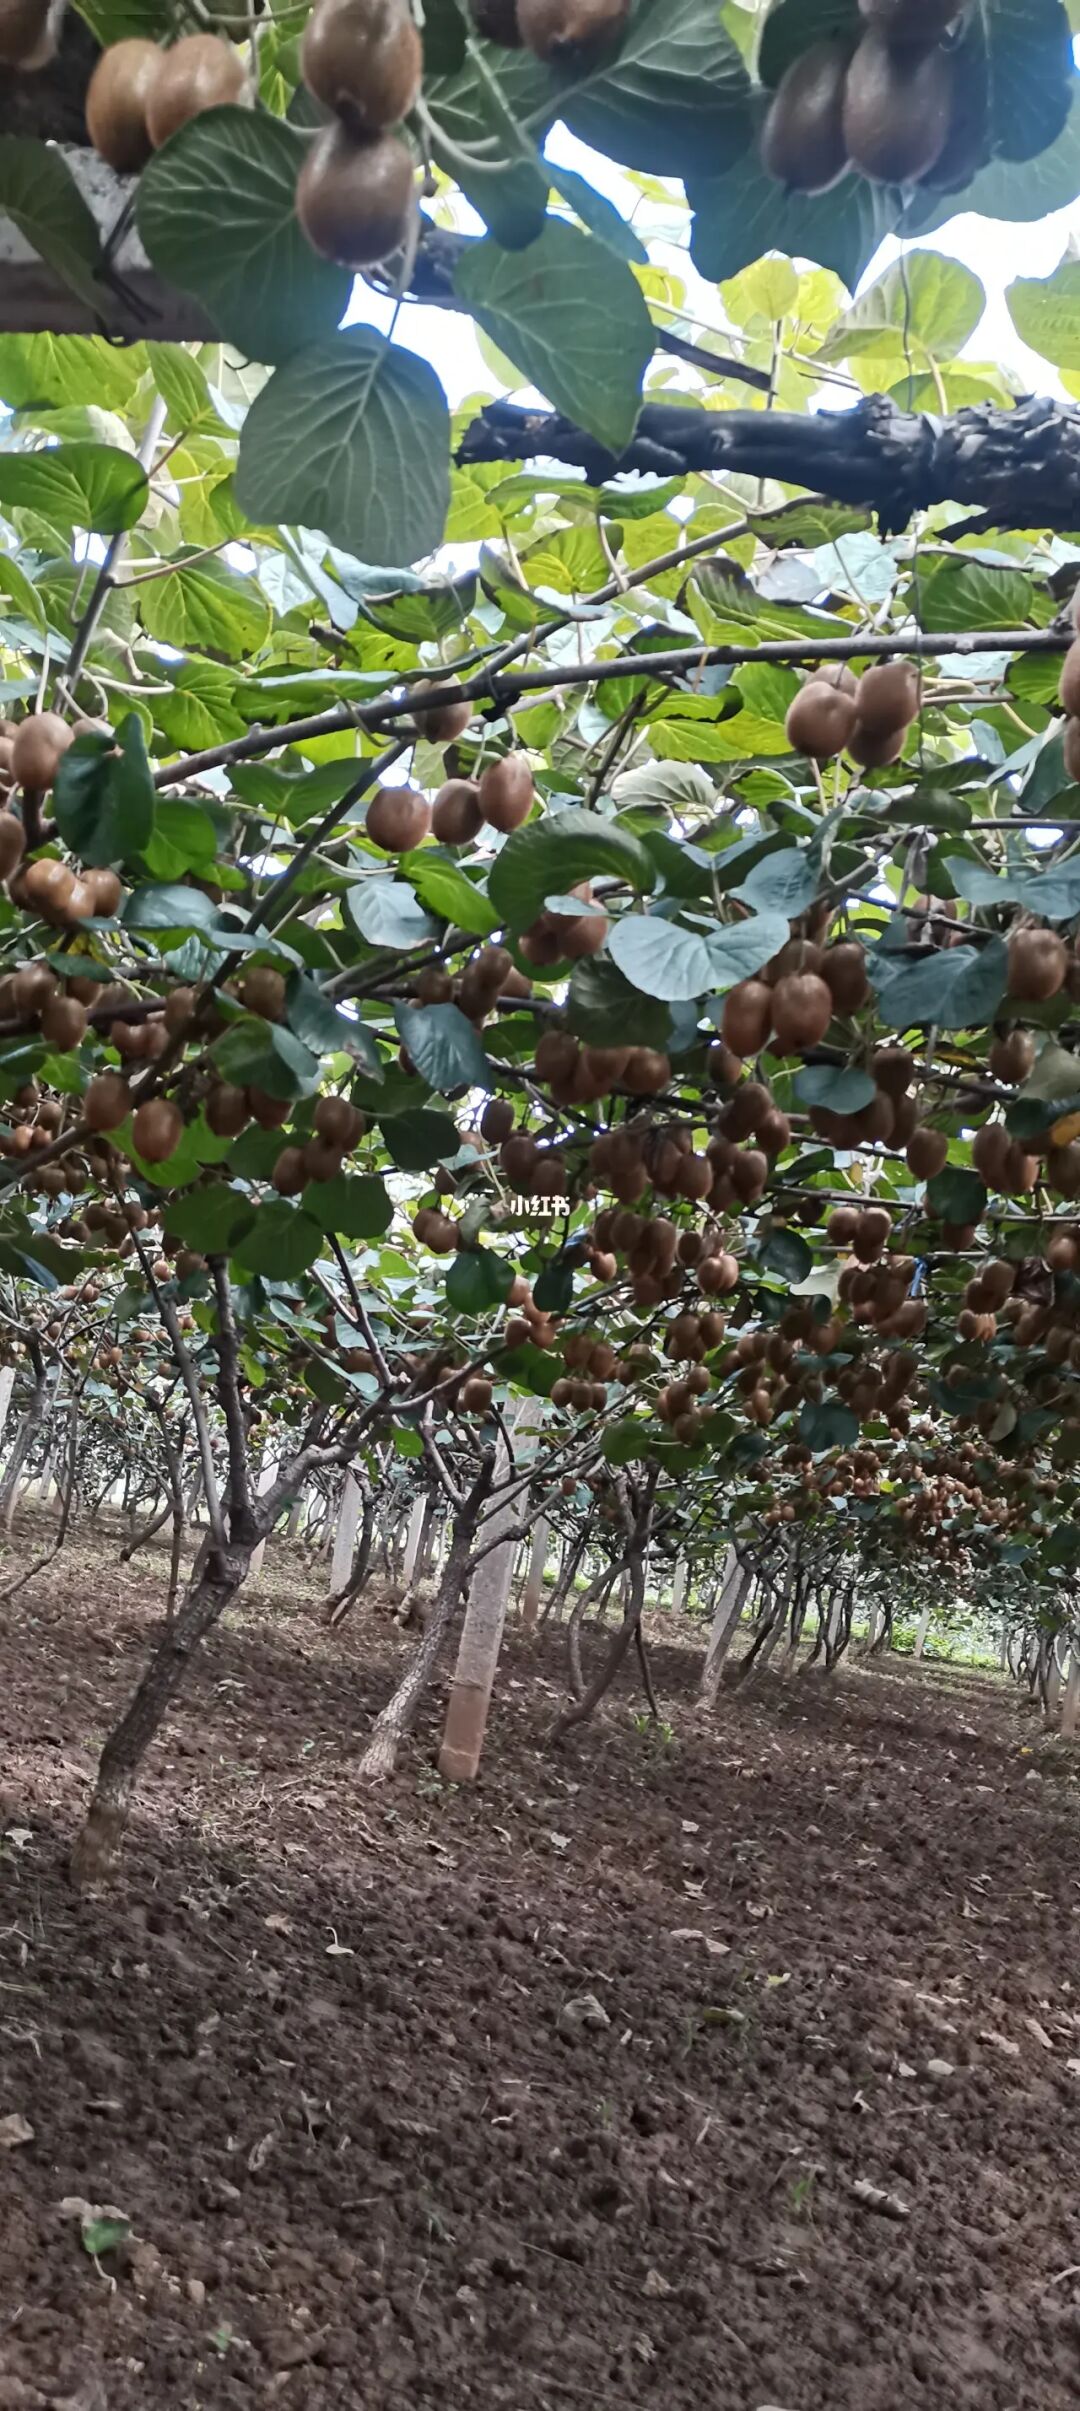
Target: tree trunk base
{"points": [[97, 1847]]}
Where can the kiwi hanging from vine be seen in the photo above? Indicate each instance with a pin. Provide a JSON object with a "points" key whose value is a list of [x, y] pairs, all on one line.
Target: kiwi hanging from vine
{"points": [[364, 59], [26, 39], [497, 21], [117, 101], [802, 140], [356, 200], [559, 29], [198, 73], [820, 721], [898, 109]]}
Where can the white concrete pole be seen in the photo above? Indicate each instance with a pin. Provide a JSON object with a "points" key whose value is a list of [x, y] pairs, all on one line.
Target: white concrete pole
{"points": [[680, 1585], [345, 1537], [412, 1538], [534, 1579], [267, 1479], [924, 1628]]}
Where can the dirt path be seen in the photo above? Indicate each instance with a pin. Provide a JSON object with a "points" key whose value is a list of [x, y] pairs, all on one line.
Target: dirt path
{"points": [[556, 2094]]}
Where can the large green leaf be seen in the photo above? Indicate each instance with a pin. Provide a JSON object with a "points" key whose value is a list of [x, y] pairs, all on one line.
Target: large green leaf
{"points": [[444, 1046], [1045, 310], [418, 1140], [661, 959], [924, 307], [557, 853], [386, 913], [203, 606], [76, 485], [217, 213], [351, 436], [959, 988], [743, 213], [603, 1007], [39, 194], [975, 594], [674, 95], [263, 1054], [103, 796], [351, 1208], [281, 1242], [572, 319]]}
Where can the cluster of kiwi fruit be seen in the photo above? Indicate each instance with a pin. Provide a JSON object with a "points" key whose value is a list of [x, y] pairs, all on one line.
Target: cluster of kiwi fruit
{"points": [[1069, 693], [790, 1003], [140, 94], [897, 106], [866, 718], [356, 192], [30, 756], [561, 31], [399, 818]]}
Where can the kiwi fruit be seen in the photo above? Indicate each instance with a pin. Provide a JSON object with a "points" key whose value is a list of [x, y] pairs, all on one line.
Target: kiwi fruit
{"points": [[843, 968], [106, 891], [37, 748], [497, 21], [356, 201], [117, 100], [802, 140], [927, 1152], [587, 934], [802, 1008], [887, 697], [63, 1023], [1069, 684], [1038, 961], [447, 720], [157, 1129], [1072, 750], [227, 1110], [25, 37], [456, 817], [506, 793], [820, 721], [647, 1071], [1011, 1057], [262, 991], [558, 29], [339, 1123], [364, 59], [398, 819], [48, 885], [898, 107], [875, 752], [199, 72], [107, 1102]]}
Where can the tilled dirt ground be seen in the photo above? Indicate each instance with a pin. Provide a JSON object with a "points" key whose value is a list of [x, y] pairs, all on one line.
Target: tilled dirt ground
{"points": [[734, 2066]]}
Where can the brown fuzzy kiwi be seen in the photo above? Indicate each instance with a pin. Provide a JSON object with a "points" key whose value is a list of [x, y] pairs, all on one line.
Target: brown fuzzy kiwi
{"points": [[887, 697], [398, 818], [507, 792], [1072, 751], [48, 886], [107, 1102], [116, 103], [37, 749], [1069, 683], [157, 1129], [444, 721], [289, 1175], [497, 1121], [747, 1017], [876, 753], [63, 1023], [802, 1010], [338, 1123], [898, 106], [802, 140], [990, 1151], [26, 36], [556, 29], [843, 969], [262, 991], [227, 1110], [106, 890], [647, 1071], [927, 1152], [587, 934], [356, 201], [364, 59], [1038, 961], [496, 21], [1011, 1058], [199, 72], [820, 721]]}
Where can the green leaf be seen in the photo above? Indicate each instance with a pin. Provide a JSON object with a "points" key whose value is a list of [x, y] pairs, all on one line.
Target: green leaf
{"points": [[955, 1195], [205, 607], [557, 853], [76, 485], [786, 1253], [19, 589], [210, 1220], [554, 1287], [478, 1281], [444, 1046], [838, 1086], [446, 890], [386, 913], [39, 194], [313, 1018], [104, 798], [742, 949], [281, 1243], [572, 318], [602, 1007], [184, 839], [416, 1141], [743, 213], [786, 882], [216, 211], [924, 307], [351, 1208], [351, 436], [674, 95], [975, 594], [169, 905], [661, 959], [55, 369], [254, 1053], [104, 2233], [825, 1424], [959, 988]]}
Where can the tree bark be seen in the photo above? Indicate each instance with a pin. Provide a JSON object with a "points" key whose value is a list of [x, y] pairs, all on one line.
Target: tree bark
{"points": [[215, 1581]]}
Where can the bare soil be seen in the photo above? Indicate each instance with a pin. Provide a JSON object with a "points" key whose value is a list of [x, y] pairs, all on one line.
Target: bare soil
{"points": [[568, 2090]]}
